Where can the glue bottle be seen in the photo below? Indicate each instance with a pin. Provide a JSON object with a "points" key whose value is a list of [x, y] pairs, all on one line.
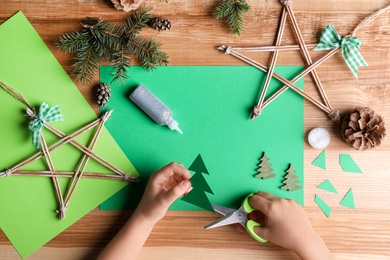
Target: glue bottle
{"points": [[154, 107]]}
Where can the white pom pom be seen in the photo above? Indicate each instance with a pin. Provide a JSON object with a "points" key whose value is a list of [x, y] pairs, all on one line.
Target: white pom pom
{"points": [[319, 138]]}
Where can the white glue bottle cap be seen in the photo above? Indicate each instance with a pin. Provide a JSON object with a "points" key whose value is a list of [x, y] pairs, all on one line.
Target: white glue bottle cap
{"points": [[154, 107]]}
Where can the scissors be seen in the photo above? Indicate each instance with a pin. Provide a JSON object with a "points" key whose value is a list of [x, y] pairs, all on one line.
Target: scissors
{"points": [[232, 216]]}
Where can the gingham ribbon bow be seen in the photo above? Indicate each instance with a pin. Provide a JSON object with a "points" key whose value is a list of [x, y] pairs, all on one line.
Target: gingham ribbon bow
{"points": [[46, 114], [330, 40]]}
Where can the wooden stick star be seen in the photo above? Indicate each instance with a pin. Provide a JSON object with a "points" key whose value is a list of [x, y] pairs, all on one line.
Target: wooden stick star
{"points": [[40, 121], [330, 40]]}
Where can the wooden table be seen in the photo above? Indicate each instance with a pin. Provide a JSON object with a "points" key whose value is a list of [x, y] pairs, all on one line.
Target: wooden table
{"points": [[361, 233]]}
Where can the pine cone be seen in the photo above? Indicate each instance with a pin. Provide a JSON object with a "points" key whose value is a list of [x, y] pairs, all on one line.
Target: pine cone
{"points": [[127, 5], [103, 94], [159, 23], [363, 129]]}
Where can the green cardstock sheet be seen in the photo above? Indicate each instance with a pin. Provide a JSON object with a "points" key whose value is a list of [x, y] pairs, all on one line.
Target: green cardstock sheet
{"points": [[212, 105], [28, 204]]}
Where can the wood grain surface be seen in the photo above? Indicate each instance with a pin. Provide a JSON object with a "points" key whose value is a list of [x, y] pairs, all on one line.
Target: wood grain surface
{"points": [[361, 233]]}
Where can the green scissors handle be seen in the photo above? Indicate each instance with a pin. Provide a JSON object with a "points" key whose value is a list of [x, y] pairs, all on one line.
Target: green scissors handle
{"points": [[251, 224]]}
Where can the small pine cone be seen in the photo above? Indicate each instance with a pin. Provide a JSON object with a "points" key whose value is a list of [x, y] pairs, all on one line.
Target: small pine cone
{"points": [[363, 129], [103, 94], [159, 23]]}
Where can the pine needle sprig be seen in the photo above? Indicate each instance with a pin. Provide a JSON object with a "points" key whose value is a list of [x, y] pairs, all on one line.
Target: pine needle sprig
{"points": [[87, 63], [135, 23], [121, 62], [101, 40], [71, 42], [148, 52], [233, 11]]}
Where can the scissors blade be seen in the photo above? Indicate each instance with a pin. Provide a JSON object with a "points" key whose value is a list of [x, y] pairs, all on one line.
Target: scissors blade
{"points": [[223, 210], [238, 216]]}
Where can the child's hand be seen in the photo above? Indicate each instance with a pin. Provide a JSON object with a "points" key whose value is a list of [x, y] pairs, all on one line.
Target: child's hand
{"points": [[164, 187], [287, 225]]}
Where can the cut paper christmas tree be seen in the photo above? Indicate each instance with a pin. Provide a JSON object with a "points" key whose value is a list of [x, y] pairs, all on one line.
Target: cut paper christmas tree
{"points": [[28, 204], [197, 196], [348, 164], [348, 200], [322, 205], [265, 169], [291, 180], [320, 161], [327, 185], [331, 42]]}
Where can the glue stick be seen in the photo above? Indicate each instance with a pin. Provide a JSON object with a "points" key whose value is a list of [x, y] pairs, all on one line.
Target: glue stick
{"points": [[154, 107]]}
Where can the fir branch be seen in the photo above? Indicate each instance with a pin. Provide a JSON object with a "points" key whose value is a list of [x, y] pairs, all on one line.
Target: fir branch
{"points": [[148, 52], [137, 21], [116, 44], [121, 62], [87, 64], [233, 11], [71, 41]]}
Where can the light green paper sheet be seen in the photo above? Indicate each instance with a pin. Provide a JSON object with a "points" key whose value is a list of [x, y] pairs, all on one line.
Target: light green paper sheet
{"points": [[348, 164], [28, 204], [212, 106]]}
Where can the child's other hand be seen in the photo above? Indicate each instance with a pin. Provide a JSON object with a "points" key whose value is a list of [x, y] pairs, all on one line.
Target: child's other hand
{"points": [[285, 223], [164, 187]]}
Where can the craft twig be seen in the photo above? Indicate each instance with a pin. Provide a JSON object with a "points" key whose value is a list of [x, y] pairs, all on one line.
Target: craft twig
{"points": [[61, 174], [306, 54], [272, 48], [91, 154], [50, 164], [283, 80], [83, 163], [257, 109]]}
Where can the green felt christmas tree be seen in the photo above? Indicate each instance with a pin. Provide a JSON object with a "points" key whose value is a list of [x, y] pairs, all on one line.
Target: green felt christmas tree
{"points": [[197, 196], [265, 169], [291, 180]]}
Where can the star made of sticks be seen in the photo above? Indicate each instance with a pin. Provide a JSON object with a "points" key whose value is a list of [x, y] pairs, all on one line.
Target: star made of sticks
{"points": [[37, 123], [330, 40]]}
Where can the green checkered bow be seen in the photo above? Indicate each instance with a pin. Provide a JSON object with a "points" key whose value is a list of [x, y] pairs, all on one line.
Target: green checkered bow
{"points": [[46, 114], [331, 40]]}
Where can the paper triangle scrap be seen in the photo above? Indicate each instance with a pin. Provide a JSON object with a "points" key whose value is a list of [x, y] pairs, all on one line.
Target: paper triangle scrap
{"points": [[348, 164], [320, 160], [327, 185], [322, 205], [348, 200]]}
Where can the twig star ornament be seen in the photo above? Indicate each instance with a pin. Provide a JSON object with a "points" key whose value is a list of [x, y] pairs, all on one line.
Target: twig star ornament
{"points": [[37, 124], [372, 130]]}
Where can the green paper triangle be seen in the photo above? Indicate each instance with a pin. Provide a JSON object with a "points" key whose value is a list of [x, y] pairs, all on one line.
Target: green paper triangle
{"points": [[198, 165], [322, 205], [348, 164], [348, 200], [327, 185], [320, 160]]}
